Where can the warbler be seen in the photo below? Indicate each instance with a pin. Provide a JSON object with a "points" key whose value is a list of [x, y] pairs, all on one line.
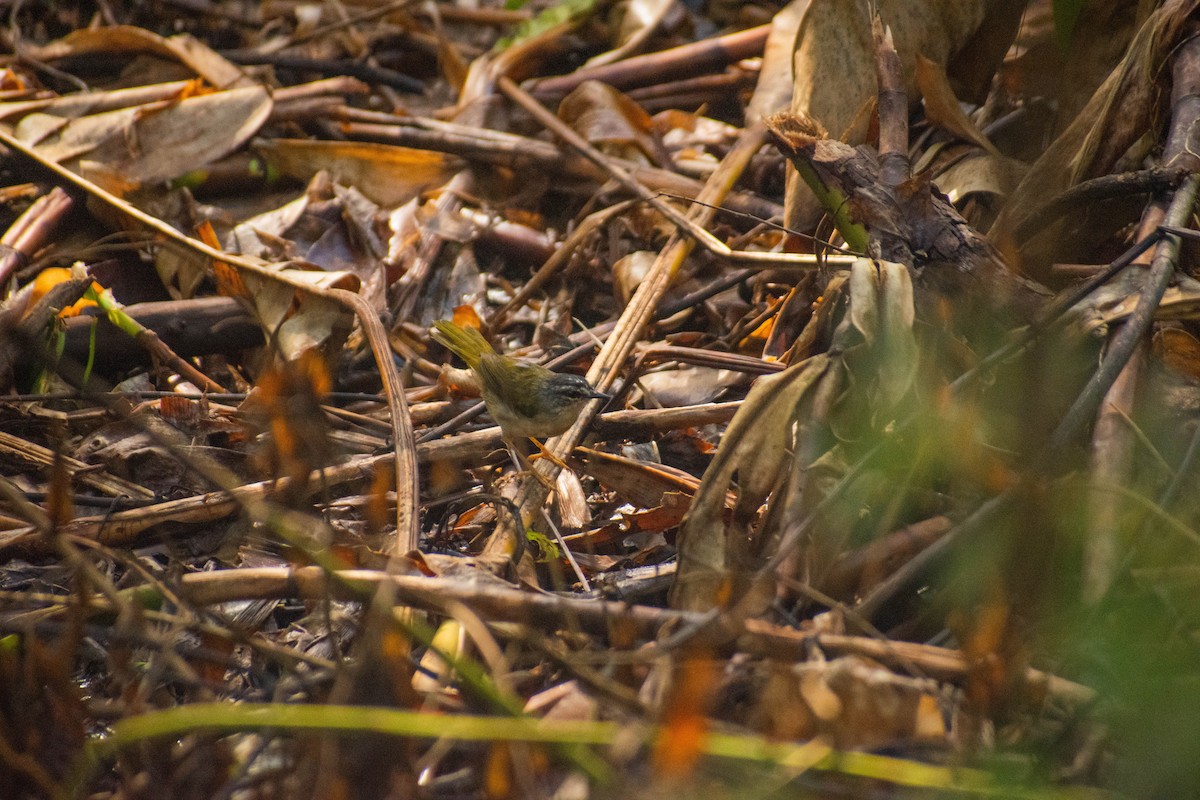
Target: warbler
{"points": [[526, 400]]}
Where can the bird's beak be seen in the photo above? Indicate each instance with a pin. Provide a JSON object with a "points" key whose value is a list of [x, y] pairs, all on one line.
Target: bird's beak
{"points": [[598, 395]]}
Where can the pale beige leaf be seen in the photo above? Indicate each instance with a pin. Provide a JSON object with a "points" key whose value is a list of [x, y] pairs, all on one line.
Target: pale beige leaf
{"points": [[881, 309], [898, 362], [629, 272], [259, 235], [689, 385], [980, 174], [153, 142], [864, 301], [572, 501], [82, 104], [299, 321]]}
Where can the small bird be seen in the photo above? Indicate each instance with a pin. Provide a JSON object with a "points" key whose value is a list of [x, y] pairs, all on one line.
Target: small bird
{"points": [[526, 400]]}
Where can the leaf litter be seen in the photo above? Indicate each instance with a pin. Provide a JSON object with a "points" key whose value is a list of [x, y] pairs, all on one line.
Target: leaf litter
{"points": [[896, 489]]}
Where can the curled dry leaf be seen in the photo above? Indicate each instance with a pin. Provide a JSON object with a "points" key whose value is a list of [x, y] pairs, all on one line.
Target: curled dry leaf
{"points": [[186, 49], [639, 19], [689, 385], [630, 271], [881, 308], [611, 121], [943, 108], [1116, 300], [980, 174], [300, 321], [1118, 114]]}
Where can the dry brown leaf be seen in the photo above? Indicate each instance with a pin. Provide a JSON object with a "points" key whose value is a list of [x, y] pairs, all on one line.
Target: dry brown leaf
{"points": [[833, 61], [639, 483], [1116, 300], [980, 174], [387, 174], [661, 518], [866, 706], [1179, 350], [943, 108]]}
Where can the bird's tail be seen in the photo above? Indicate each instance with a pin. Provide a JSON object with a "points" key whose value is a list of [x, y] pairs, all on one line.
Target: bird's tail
{"points": [[466, 343]]}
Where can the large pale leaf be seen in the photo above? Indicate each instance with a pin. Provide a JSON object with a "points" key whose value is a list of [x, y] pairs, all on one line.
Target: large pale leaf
{"points": [[834, 57], [881, 308], [773, 91], [299, 321], [153, 142], [82, 104]]}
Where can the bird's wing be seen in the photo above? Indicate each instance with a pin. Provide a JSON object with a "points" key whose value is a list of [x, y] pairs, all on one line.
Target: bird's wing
{"points": [[501, 374]]}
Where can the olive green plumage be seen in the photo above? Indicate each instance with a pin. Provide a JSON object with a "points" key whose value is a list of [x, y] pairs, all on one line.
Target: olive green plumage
{"points": [[526, 400]]}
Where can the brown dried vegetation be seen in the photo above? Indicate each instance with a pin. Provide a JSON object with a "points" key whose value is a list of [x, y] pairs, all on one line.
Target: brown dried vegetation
{"points": [[896, 491]]}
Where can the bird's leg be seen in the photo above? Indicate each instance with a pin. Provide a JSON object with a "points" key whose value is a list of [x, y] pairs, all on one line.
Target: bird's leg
{"points": [[544, 453], [523, 463]]}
